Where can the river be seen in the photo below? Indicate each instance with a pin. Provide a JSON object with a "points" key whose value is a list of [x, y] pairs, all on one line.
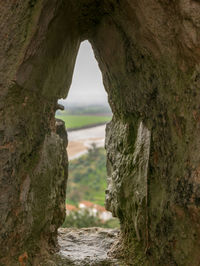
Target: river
{"points": [[81, 140]]}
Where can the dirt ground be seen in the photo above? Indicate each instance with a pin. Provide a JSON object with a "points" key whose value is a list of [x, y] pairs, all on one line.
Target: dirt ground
{"points": [[80, 140], [77, 148]]}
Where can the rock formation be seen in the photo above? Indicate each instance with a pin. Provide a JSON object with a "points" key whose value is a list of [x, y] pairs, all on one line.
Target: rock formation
{"points": [[149, 55]]}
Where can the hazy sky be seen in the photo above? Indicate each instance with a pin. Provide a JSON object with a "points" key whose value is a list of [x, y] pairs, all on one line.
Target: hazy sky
{"points": [[87, 86]]}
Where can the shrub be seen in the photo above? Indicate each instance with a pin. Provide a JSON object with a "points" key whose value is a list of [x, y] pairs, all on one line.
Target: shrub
{"points": [[81, 219]]}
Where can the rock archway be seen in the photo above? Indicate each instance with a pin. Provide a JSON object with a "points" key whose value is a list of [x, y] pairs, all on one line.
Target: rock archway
{"points": [[149, 56]]}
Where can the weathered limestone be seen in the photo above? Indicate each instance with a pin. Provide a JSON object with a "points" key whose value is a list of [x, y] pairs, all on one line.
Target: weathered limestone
{"points": [[150, 64], [148, 52], [86, 246], [33, 161]]}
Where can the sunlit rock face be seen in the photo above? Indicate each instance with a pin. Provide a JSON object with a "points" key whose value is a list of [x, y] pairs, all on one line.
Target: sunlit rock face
{"points": [[148, 52]]}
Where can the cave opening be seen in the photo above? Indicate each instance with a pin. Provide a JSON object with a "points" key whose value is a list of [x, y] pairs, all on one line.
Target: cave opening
{"points": [[86, 112]]}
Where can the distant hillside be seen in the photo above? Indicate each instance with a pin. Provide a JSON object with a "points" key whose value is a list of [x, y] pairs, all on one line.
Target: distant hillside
{"points": [[101, 110], [87, 178]]}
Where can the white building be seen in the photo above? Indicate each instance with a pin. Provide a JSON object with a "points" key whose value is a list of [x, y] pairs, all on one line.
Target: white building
{"points": [[95, 210]]}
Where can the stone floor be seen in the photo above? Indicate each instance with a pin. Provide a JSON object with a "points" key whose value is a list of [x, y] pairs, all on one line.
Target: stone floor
{"points": [[86, 246]]}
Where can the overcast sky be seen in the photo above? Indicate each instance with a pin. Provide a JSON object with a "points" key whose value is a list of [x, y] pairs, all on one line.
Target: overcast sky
{"points": [[87, 86]]}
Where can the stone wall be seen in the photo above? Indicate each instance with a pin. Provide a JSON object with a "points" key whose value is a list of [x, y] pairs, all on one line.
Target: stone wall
{"points": [[149, 56], [38, 55]]}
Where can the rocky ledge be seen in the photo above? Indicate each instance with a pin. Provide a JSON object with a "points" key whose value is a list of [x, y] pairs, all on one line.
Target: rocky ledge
{"points": [[86, 246]]}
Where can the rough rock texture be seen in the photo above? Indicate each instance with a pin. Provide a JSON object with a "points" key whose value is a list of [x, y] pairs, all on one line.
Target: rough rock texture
{"points": [[149, 56], [82, 247], [87, 246], [148, 52], [33, 161]]}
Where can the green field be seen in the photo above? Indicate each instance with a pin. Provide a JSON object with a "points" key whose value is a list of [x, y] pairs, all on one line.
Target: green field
{"points": [[87, 178], [78, 121]]}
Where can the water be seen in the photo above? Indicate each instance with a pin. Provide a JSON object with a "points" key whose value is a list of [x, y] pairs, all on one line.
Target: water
{"points": [[81, 140]]}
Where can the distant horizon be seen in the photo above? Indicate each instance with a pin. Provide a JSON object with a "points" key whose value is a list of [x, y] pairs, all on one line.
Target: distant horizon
{"points": [[78, 108], [65, 103]]}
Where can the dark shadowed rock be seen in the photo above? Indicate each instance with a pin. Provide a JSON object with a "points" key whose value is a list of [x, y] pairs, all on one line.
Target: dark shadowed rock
{"points": [[148, 52], [61, 131]]}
